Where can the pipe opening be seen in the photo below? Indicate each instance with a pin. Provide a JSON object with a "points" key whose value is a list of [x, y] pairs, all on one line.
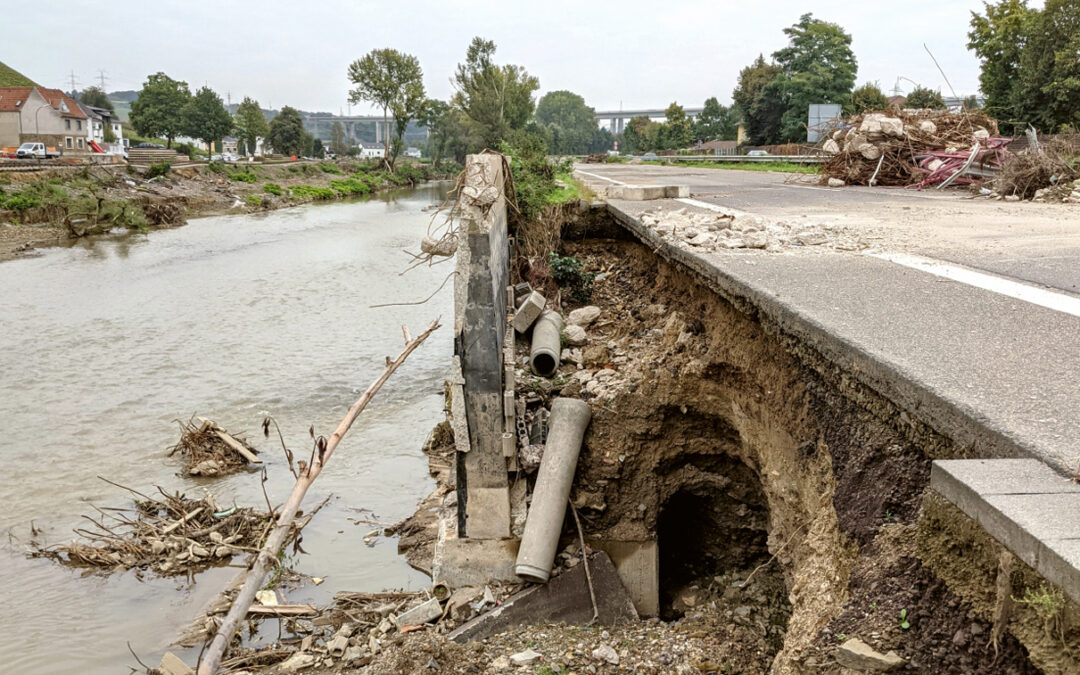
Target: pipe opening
{"points": [[544, 364]]}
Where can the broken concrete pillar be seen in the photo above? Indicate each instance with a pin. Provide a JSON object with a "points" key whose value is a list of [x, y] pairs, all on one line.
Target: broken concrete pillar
{"points": [[529, 311], [566, 429], [546, 344]]}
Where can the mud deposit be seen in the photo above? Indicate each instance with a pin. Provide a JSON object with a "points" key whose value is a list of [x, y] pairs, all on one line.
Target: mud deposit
{"points": [[784, 496]]}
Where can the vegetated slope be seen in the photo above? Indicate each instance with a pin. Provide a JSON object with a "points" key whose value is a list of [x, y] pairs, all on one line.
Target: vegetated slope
{"points": [[9, 77]]}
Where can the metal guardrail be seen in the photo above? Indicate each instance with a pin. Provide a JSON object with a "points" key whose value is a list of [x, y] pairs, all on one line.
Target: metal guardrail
{"points": [[791, 159]]}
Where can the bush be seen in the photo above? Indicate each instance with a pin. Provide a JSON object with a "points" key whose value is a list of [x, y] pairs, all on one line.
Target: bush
{"points": [[272, 188], [243, 177], [159, 169], [350, 186], [19, 202], [313, 192], [255, 200], [567, 273], [329, 167], [411, 172], [534, 175]]}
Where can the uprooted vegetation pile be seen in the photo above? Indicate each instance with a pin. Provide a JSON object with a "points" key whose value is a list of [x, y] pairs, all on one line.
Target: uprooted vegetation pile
{"points": [[913, 147], [1047, 171], [208, 450], [172, 535]]}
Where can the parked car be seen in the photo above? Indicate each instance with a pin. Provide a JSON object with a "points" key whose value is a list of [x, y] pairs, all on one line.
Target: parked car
{"points": [[149, 145], [649, 155], [38, 150], [757, 153]]}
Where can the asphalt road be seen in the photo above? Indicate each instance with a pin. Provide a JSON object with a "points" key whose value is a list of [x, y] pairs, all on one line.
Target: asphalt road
{"points": [[1033, 243], [989, 359]]}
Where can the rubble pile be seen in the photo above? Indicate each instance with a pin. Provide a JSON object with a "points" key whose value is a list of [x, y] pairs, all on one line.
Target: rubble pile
{"points": [[208, 450], [1046, 171], [914, 148], [735, 230]]}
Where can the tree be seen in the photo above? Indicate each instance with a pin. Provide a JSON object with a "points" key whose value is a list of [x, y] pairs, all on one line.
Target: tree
{"points": [[394, 82], [758, 104], [1048, 82], [317, 149], [717, 122], [495, 99], [572, 122], [998, 39], [250, 123], [867, 97], [287, 134], [338, 145], [817, 66], [94, 96], [448, 130], [677, 131], [205, 118], [159, 109], [921, 97]]}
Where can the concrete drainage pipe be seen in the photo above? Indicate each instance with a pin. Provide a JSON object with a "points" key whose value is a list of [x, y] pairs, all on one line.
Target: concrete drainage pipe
{"points": [[569, 418], [546, 343]]}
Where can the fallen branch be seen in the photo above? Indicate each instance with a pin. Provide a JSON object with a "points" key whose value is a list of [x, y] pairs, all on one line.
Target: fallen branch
{"points": [[585, 562], [268, 555]]}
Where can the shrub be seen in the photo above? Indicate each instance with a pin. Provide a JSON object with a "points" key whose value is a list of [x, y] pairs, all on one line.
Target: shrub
{"points": [[567, 272], [272, 188], [412, 173], [313, 192], [243, 177], [329, 167], [350, 186], [158, 169], [217, 167], [254, 200], [20, 201]]}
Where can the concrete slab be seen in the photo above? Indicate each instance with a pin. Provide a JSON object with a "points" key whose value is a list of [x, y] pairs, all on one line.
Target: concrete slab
{"points": [[565, 599], [475, 562], [529, 311], [638, 564], [1060, 560]]}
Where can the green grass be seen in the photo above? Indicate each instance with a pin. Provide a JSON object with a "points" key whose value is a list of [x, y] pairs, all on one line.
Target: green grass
{"points": [[9, 77], [572, 192], [313, 191], [272, 188], [778, 165]]}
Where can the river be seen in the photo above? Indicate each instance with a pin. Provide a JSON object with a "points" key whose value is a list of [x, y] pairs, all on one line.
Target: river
{"points": [[104, 344]]}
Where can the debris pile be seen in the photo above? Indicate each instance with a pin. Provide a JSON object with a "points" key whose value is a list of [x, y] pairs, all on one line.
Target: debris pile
{"points": [[209, 450], [734, 230], [173, 535], [914, 147], [1048, 170]]}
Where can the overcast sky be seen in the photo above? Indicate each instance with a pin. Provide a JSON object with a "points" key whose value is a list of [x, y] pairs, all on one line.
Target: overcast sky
{"points": [[630, 54]]}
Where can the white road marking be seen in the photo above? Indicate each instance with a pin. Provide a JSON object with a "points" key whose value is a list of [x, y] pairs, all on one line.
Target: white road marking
{"points": [[596, 175], [1036, 296], [703, 205]]}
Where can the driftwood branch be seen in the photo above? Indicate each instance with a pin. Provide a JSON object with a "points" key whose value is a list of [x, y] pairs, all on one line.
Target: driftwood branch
{"points": [[267, 557]]}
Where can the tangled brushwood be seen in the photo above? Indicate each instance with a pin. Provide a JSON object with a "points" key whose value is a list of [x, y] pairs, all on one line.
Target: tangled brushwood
{"points": [[1046, 171], [208, 450], [172, 535], [912, 147]]}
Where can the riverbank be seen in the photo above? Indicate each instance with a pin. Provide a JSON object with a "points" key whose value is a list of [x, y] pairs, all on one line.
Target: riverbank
{"points": [[50, 208]]}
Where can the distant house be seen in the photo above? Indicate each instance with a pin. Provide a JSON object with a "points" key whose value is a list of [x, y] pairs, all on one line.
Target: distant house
{"points": [[97, 121], [413, 152], [42, 115], [718, 147], [371, 150]]}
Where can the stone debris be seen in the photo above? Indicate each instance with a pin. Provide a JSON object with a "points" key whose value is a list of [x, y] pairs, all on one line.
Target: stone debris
{"points": [[529, 311], [525, 658], [444, 247], [172, 665], [584, 316], [709, 231], [296, 663], [419, 615], [858, 655], [575, 335], [606, 653]]}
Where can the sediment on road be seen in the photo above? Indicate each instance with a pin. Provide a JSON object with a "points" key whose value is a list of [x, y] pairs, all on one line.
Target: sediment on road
{"points": [[44, 208], [790, 501]]}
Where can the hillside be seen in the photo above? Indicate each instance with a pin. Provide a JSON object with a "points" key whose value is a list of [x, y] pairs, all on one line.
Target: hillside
{"points": [[9, 77]]}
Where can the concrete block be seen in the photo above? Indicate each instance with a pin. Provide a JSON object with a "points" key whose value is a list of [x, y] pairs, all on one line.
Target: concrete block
{"points": [[565, 599], [676, 191], [475, 562], [487, 514], [419, 615], [1059, 562], [1000, 476], [1043, 516], [638, 565], [529, 311]]}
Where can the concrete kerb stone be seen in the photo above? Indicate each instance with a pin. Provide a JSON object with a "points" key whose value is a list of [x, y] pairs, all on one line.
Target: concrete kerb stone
{"points": [[529, 311], [1025, 505], [640, 193]]}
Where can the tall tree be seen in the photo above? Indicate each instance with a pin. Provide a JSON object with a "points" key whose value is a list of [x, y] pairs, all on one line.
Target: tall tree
{"points": [[206, 118], [575, 121], [96, 97], [677, 131], [817, 66], [921, 97], [250, 123], [158, 110], [998, 38], [495, 99], [758, 103], [338, 146], [1048, 94], [287, 134], [449, 133], [867, 97], [716, 122], [394, 82]]}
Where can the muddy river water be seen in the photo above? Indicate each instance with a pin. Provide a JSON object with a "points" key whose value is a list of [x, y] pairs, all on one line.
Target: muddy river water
{"points": [[104, 344]]}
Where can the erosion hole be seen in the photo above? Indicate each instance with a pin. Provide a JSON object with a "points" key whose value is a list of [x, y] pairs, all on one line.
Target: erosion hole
{"points": [[717, 524]]}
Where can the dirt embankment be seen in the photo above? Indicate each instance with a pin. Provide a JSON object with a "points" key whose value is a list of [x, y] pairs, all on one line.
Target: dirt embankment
{"points": [[55, 207], [789, 502]]}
